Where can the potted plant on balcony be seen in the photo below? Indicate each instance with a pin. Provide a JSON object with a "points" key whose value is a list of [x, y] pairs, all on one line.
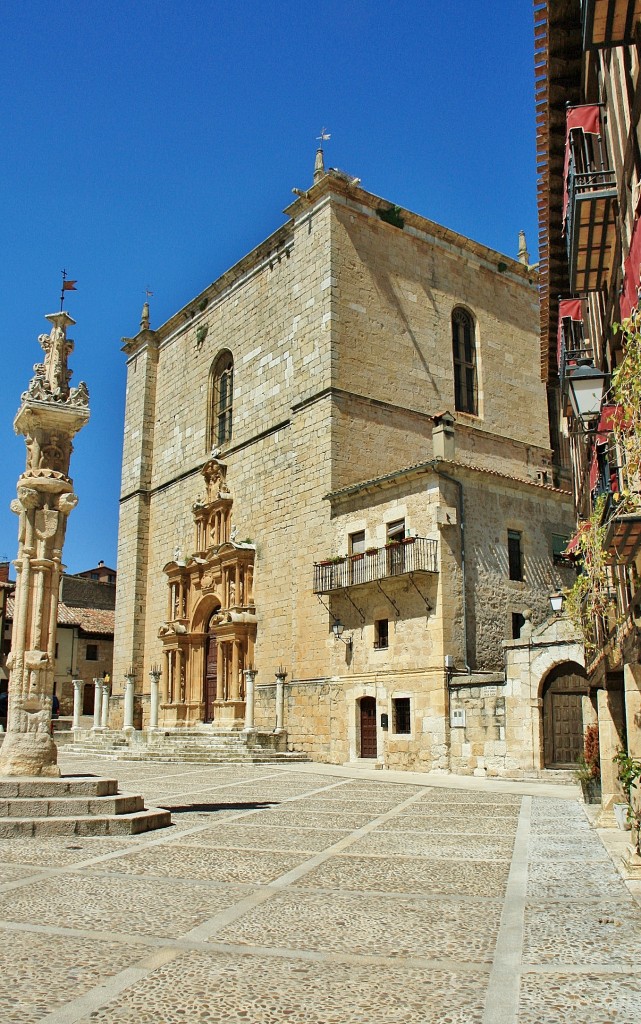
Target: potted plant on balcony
{"points": [[408, 540], [588, 772], [371, 551]]}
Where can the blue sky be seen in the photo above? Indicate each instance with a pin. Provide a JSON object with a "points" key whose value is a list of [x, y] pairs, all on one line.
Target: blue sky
{"points": [[154, 142]]}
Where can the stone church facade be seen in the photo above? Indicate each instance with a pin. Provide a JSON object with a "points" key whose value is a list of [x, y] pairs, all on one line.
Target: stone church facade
{"points": [[337, 465]]}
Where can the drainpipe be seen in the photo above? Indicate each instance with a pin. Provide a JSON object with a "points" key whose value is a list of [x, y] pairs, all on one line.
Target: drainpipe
{"points": [[461, 513]]}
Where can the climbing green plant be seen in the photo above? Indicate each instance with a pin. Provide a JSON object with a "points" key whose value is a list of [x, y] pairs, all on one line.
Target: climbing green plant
{"points": [[626, 394], [590, 598]]}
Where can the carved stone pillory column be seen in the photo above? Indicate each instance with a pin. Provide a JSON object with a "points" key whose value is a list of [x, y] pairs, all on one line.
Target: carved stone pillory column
{"points": [[50, 415]]}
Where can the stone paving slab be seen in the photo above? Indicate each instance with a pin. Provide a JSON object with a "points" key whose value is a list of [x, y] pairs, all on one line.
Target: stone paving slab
{"points": [[260, 990], [321, 896], [410, 875], [356, 924], [192, 859]]}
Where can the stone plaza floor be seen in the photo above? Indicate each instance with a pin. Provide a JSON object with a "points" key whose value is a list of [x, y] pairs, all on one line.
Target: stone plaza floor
{"points": [[321, 895]]}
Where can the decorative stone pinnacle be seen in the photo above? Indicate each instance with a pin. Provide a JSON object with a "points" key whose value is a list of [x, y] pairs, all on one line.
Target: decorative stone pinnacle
{"points": [[144, 319], [51, 380], [319, 165], [524, 256]]}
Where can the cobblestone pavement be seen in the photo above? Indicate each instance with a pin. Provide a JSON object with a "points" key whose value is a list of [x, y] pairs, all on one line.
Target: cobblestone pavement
{"points": [[296, 894]]}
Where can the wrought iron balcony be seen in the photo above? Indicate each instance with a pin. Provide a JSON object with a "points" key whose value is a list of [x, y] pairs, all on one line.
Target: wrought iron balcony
{"points": [[572, 346], [590, 204], [412, 555], [608, 23]]}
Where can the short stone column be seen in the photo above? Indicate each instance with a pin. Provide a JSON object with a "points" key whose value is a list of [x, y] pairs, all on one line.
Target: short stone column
{"points": [[281, 676], [130, 680], [610, 711], [250, 677], [154, 679], [97, 705], [78, 692], [104, 718]]}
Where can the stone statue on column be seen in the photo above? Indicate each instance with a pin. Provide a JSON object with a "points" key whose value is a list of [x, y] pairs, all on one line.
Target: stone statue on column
{"points": [[50, 415]]}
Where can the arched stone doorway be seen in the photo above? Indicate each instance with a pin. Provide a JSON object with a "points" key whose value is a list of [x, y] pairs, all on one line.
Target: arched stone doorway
{"points": [[367, 709], [563, 690]]}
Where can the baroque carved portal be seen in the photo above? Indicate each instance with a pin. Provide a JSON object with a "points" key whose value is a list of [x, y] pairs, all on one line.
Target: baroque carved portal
{"points": [[209, 633]]}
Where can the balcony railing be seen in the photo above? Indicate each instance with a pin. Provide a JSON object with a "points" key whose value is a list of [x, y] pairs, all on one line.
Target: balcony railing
{"points": [[572, 347], [590, 201], [414, 554], [608, 23], [623, 535]]}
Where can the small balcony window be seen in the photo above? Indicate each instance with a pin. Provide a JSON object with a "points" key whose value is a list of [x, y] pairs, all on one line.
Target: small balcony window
{"points": [[381, 634]]}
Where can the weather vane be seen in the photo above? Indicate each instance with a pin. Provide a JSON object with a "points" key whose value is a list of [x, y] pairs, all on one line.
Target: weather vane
{"points": [[67, 286], [323, 137]]}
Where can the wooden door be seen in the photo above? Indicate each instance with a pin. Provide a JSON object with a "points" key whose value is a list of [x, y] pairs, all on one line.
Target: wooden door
{"points": [[563, 716], [567, 728], [211, 676], [368, 727], [88, 697]]}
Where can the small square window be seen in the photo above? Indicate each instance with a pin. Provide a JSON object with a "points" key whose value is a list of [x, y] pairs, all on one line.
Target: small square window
{"points": [[381, 634], [514, 555], [401, 715], [518, 621], [92, 652]]}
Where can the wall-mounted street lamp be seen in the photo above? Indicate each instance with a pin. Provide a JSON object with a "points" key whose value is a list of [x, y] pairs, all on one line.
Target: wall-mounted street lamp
{"points": [[338, 629], [587, 387], [556, 600]]}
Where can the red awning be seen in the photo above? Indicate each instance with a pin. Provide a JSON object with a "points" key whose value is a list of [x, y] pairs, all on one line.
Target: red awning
{"points": [[573, 545], [571, 308], [588, 118], [612, 417], [631, 273]]}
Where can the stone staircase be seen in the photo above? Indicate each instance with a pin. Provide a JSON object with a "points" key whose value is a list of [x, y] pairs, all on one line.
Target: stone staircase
{"points": [[73, 805], [204, 746]]}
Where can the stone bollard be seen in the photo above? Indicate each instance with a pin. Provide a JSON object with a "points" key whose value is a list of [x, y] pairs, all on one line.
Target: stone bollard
{"points": [[78, 692]]}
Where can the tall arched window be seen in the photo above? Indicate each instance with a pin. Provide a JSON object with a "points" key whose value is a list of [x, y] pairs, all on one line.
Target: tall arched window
{"points": [[464, 353], [221, 401]]}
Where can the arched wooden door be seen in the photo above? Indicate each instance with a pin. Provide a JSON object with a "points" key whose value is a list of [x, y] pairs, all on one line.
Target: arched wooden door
{"points": [[210, 682], [563, 691], [368, 727]]}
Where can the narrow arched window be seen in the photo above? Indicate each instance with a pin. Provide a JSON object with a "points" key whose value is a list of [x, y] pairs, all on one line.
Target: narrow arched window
{"points": [[221, 400], [464, 353]]}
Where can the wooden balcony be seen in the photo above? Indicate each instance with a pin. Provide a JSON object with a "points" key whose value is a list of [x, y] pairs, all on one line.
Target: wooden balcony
{"points": [[623, 538], [590, 227], [413, 555], [608, 23]]}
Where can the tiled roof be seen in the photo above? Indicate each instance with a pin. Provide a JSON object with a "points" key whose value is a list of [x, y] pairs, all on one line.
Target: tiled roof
{"points": [[96, 620], [431, 464], [66, 616]]}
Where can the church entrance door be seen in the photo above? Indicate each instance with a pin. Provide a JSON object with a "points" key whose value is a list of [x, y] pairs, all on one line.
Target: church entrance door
{"points": [[368, 727], [211, 675]]}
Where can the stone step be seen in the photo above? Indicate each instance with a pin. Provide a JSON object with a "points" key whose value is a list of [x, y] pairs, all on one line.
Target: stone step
{"points": [[13, 787], [76, 806], [199, 757], [86, 825]]}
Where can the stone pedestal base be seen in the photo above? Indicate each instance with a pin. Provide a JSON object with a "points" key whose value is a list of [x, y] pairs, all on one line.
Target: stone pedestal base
{"points": [[29, 753], [77, 805], [229, 714]]}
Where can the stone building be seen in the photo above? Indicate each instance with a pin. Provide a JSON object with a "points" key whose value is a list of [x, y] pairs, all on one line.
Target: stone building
{"points": [[589, 99], [337, 464]]}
